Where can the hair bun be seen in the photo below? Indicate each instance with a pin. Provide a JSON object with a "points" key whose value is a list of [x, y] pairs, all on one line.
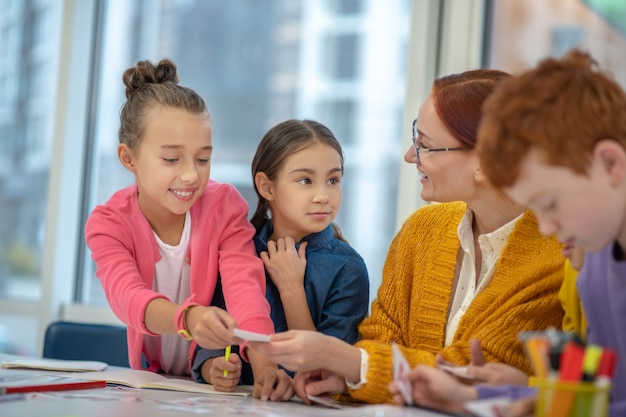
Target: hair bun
{"points": [[145, 72]]}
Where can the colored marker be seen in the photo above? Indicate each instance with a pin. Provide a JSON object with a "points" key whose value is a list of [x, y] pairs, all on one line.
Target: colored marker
{"points": [[226, 356], [606, 368], [569, 371], [537, 349], [591, 362]]}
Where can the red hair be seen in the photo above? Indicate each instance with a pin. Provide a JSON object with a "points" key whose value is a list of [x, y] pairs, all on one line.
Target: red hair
{"points": [[562, 107], [458, 100]]}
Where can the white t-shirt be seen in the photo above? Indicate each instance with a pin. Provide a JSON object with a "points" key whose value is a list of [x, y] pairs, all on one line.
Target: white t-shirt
{"points": [[172, 280]]}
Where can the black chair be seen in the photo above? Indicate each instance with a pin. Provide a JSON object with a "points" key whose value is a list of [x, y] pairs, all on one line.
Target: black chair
{"points": [[86, 341]]}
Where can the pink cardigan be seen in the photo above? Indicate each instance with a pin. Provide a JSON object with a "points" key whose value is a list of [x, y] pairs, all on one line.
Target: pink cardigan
{"points": [[125, 251]]}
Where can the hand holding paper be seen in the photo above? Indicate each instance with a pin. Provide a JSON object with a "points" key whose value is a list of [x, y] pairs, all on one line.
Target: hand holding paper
{"points": [[211, 327], [306, 350], [401, 369]]}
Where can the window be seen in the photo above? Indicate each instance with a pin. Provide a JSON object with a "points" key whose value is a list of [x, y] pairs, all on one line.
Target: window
{"points": [[340, 56], [345, 7], [339, 116], [25, 109], [525, 32], [613, 11], [257, 64], [28, 77]]}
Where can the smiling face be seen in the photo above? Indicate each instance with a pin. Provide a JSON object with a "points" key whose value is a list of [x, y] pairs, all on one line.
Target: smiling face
{"points": [[172, 162], [445, 176], [586, 211], [305, 196]]}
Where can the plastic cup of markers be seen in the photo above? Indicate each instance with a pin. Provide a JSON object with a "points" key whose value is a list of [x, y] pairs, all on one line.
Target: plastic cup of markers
{"points": [[571, 399]]}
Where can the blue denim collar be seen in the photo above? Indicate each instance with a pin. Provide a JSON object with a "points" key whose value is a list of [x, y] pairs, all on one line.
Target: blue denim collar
{"points": [[315, 240]]}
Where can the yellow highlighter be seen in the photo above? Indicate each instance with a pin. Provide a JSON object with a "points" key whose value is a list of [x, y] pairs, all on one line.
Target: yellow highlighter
{"points": [[226, 356]]}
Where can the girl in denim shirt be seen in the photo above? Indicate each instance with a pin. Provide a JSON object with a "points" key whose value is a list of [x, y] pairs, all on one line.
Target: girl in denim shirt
{"points": [[315, 280]]}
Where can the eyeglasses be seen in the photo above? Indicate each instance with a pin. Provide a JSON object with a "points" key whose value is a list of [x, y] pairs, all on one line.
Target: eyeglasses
{"points": [[419, 150]]}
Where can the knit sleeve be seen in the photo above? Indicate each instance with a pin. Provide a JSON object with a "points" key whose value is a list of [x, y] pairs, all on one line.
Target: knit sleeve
{"points": [[411, 304]]}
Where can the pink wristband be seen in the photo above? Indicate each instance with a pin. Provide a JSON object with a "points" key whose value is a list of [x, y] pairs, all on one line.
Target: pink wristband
{"points": [[179, 319]]}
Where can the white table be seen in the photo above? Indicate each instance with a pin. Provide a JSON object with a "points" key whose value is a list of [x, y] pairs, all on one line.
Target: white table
{"points": [[125, 402]]}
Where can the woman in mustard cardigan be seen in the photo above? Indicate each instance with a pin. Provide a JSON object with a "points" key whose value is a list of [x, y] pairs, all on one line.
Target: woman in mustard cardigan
{"points": [[474, 266]]}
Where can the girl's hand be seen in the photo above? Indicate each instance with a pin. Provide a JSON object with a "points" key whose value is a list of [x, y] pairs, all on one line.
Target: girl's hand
{"points": [[211, 327], [274, 385], [213, 372], [319, 382], [285, 265], [490, 373], [432, 387], [497, 374]]}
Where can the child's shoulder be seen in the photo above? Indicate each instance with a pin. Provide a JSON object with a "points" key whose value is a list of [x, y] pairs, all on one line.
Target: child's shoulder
{"points": [[325, 242], [221, 190], [121, 209], [219, 197]]}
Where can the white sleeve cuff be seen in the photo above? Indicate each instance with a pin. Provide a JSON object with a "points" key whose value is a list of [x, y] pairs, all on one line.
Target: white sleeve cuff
{"points": [[365, 365]]}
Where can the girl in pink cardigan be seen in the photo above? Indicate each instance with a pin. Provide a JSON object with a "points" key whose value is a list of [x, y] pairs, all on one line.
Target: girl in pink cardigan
{"points": [[160, 244]]}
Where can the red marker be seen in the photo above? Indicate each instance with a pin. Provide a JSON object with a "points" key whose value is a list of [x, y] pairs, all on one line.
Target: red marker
{"points": [[608, 362], [569, 371]]}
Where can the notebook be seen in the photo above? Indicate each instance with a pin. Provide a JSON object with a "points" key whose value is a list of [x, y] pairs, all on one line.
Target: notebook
{"points": [[55, 365], [150, 380]]}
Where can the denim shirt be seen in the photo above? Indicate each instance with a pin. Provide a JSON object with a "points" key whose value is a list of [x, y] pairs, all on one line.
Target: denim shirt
{"points": [[336, 284]]}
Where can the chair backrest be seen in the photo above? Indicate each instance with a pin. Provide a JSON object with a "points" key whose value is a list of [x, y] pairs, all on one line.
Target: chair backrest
{"points": [[86, 341]]}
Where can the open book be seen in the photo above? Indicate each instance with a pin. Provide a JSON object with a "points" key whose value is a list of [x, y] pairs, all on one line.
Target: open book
{"points": [[55, 364], [145, 379]]}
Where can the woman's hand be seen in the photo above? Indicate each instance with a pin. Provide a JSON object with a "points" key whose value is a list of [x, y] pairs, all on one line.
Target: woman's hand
{"points": [[296, 350], [304, 350], [212, 371]]}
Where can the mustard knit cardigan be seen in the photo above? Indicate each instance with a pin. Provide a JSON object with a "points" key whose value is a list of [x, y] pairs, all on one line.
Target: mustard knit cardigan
{"points": [[415, 294]]}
